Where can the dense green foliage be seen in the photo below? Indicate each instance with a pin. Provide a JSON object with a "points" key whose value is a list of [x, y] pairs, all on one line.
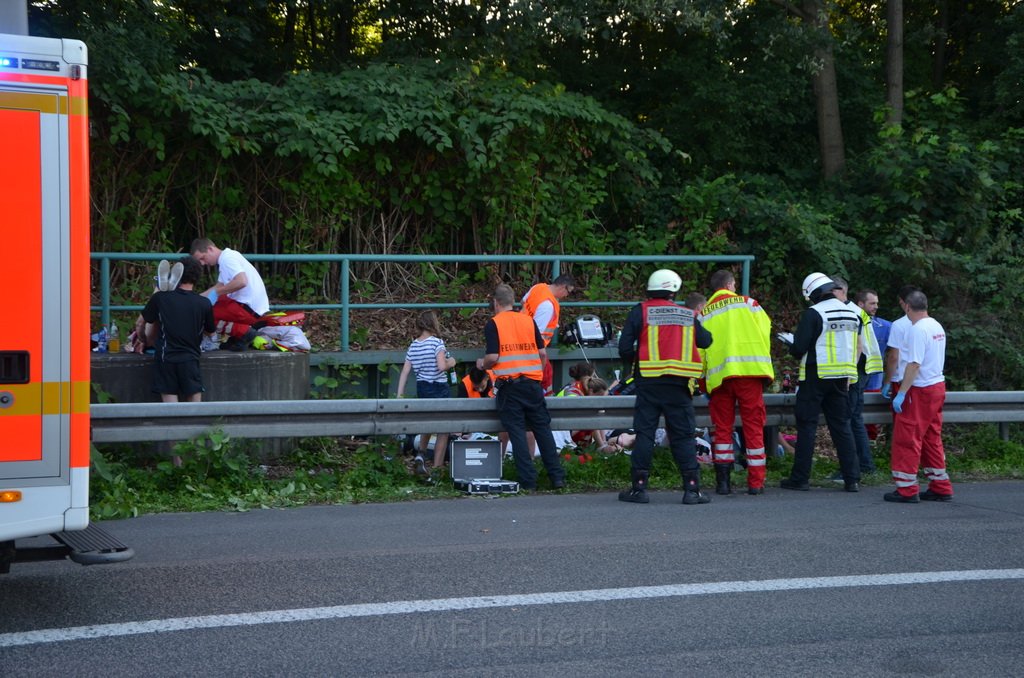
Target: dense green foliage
{"points": [[215, 473], [586, 126]]}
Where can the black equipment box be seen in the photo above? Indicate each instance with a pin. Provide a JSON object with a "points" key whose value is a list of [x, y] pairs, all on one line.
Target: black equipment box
{"points": [[476, 467]]}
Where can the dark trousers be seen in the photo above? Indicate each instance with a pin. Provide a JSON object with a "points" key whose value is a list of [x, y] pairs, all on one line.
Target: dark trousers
{"points": [[521, 406], [829, 397], [857, 428], [673, 401]]}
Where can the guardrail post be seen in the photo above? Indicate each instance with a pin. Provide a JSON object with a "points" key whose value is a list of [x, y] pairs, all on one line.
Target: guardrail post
{"points": [[344, 304], [1004, 431], [105, 291]]}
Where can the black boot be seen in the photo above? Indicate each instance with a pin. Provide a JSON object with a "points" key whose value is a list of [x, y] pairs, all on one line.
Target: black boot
{"points": [[691, 489], [722, 480], [637, 494]]}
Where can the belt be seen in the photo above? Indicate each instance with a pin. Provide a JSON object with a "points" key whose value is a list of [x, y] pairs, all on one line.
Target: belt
{"points": [[513, 380]]}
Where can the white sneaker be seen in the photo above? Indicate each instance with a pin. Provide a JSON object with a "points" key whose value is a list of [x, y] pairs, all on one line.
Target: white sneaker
{"points": [[175, 276], [163, 272]]}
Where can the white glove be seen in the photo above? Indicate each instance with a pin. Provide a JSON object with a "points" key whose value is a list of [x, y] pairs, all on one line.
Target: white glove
{"points": [[785, 338]]}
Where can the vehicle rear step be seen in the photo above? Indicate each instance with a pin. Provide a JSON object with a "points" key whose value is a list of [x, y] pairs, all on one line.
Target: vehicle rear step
{"points": [[94, 546]]}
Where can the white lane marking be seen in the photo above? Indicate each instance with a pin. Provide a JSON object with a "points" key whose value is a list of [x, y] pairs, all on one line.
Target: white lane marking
{"points": [[481, 602]]}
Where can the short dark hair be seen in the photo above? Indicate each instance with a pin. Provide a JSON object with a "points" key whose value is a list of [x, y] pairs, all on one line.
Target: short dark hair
{"points": [[565, 280], [906, 290], [694, 299], [193, 270], [862, 295], [200, 245], [476, 375], [721, 278], [916, 301], [840, 282]]}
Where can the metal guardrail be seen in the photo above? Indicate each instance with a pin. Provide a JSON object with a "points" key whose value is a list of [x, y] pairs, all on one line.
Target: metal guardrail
{"points": [[345, 260], [141, 422]]}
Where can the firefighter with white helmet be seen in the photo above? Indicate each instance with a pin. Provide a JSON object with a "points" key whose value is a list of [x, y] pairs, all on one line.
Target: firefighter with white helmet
{"points": [[662, 338], [828, 343]]}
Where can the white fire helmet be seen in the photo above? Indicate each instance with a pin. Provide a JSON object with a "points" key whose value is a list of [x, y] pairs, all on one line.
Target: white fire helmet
{"points": [[813, 282], [664, 280]]}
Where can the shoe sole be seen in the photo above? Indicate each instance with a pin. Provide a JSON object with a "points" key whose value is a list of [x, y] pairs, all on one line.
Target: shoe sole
{"points": [[163, 270], [935, 497], [902, 500], [175, 276]]}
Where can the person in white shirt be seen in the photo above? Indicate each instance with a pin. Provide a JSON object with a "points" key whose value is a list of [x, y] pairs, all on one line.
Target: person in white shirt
{"points": [[239, 297], [899, 329], [917, 430]]}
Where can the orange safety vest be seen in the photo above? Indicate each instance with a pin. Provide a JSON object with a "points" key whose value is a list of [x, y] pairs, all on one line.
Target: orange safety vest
{"points": [[471, 390], [537, 295], [518, 355], [666, 347]]}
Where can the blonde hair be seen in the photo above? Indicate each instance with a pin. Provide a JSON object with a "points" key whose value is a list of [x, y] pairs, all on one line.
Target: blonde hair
{"points": [[595, 385]]}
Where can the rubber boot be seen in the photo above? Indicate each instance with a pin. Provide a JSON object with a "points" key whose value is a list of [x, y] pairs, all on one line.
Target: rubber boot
{"points": [[722, 480], [637, 494], [691, 489]]}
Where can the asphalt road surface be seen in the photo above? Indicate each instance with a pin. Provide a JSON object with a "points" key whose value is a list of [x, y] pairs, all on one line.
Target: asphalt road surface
{"points": [[786, 584]]}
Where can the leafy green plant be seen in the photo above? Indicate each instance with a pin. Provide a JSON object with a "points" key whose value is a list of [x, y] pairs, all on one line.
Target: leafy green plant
{"points": [[335, 378]]}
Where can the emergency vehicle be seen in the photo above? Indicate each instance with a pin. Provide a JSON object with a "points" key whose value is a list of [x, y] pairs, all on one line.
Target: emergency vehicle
{"points": [[45, 348]]}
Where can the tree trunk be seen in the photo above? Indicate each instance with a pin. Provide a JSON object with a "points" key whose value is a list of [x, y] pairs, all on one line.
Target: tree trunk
{"points": [[894, 61], [826, 93], [939, 47]]}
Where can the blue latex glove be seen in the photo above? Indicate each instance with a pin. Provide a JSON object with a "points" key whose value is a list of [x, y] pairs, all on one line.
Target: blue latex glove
{"points": [[887, 391], [897, 402], [212, 296]]}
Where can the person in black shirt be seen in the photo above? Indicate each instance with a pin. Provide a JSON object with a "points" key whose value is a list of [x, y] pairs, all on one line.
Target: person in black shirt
{"points": [[183, 317]]}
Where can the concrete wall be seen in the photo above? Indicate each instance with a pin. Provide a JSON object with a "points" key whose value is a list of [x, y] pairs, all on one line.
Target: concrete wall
{"points": [[249, 375]]}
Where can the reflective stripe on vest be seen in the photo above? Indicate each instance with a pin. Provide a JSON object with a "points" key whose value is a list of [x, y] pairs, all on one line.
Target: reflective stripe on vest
{"points": [[742, 346], [836, 346], [518, 355], [666, 346], [537, 295], [872, 352]]}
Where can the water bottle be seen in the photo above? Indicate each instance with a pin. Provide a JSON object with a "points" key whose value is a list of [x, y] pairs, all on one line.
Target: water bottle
{"points": [[101, 340], [114, 340]]}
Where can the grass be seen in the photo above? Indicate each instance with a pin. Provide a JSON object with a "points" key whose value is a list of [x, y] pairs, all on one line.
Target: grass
{"points": [[219, 474]]}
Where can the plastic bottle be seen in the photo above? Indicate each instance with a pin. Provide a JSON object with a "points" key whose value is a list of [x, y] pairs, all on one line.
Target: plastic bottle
{"points": [[101, 340], [114, 340]]}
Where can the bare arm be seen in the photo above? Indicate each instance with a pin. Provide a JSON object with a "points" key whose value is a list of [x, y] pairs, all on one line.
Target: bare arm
{"points": [[909, 375], [444, 364], [403, 377], [238, 282]]}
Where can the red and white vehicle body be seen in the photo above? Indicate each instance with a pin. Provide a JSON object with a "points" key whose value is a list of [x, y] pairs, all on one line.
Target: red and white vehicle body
{"points": [[45, 348]]}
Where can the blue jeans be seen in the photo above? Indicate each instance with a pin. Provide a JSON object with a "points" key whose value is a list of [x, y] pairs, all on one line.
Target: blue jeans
{"points": [[860, 434], [432, 389]]}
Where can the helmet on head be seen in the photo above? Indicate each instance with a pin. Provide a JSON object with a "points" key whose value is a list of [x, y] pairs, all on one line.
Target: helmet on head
{"points": [[816, 282], [664, 280]]}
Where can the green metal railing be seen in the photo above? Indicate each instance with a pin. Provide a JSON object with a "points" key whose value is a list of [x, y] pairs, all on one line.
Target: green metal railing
{"points": [[345, 305]]}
